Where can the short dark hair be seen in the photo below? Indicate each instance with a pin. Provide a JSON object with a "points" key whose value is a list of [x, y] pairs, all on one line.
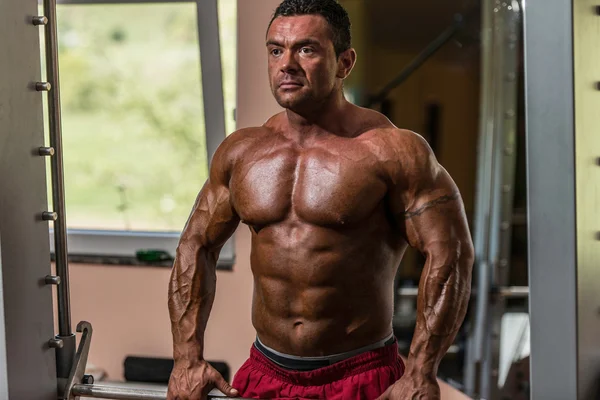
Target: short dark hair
{"points": [[331, 10]]}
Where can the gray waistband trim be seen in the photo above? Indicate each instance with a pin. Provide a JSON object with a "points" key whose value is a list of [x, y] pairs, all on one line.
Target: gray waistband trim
{"points": [[334, 357]]}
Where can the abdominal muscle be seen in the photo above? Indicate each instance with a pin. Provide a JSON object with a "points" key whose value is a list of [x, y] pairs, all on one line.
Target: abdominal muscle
{"points": [[331, 295]]}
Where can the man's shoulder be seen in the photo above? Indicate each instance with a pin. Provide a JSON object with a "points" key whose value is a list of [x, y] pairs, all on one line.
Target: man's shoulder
{"points": [[399, 144], [246, 136], [408, 142], [240, 141], [401, 152], [379, 128]]}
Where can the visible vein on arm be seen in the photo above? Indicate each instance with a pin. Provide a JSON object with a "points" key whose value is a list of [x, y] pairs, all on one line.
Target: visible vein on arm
{"points": [[430, 204]]}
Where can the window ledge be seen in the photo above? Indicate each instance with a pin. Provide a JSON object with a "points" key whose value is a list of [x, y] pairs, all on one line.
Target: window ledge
{"points": [[120, 247]]}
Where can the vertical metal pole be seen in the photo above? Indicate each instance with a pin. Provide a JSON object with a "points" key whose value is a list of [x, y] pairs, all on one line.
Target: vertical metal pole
{"points": [[551, 200], [65, 355], [506, 43], [482, 218], [58, 190], [500, 28], [27, 364]]}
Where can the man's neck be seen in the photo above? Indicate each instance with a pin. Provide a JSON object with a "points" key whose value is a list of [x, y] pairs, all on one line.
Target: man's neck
{"points": [[330, 117]]}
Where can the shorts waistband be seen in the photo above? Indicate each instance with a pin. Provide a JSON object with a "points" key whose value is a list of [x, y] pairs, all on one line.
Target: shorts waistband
{"points": [[382, 357], [296, 363]]}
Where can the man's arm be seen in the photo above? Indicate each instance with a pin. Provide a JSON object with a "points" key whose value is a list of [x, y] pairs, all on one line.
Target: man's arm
{"points": [[193, 283], [431, 213]]}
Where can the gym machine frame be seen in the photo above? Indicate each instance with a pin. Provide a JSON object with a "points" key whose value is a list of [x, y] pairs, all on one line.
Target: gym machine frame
{"points": [[500, 32]]}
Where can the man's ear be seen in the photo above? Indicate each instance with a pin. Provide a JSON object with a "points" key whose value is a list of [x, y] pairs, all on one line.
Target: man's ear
{"points": [[346, 62]]}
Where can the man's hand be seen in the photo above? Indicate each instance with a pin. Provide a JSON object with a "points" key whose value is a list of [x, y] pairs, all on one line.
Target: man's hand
{"points": [[413, 388], [194, 380]]}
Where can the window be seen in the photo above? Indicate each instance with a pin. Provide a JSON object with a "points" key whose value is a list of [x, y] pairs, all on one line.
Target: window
{"points": [[140, 118]]}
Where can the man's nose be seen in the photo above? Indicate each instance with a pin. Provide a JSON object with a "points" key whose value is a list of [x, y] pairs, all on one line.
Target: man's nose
{"points": [[289, 64]]}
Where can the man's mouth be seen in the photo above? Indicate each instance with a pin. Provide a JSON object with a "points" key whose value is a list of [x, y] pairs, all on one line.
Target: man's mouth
{"points": [[289, 84]]}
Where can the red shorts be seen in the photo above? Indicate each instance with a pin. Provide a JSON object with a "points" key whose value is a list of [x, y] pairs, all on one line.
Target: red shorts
{"points": [[365, 376]]}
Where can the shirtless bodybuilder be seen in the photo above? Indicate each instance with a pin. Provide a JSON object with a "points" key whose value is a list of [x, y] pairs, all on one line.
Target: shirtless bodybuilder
{"points": [[333, 194]]}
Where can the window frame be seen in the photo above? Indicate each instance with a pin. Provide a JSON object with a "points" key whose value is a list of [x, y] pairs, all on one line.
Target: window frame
{"points": [[119, 247]]}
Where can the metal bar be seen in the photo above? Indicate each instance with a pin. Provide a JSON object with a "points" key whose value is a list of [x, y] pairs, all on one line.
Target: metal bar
{"points": [[56, 162], [500, 28], [65, 355], [429, 51], [514, 292], [507, 28], [483, 207], [551, 199], [212, 74], [114, 392], [122, 393], [508, 292], [26, 310]]}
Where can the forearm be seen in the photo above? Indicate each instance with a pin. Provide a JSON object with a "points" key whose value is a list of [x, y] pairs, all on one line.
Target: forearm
{"points": [[191, 295], [444, 293]]}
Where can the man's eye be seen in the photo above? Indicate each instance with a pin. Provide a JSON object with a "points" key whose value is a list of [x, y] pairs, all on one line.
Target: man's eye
{"points": [[307, 50], [276, 52]]}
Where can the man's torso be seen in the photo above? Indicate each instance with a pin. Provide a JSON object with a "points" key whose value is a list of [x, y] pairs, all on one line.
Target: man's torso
{"points": [[325, 245]]}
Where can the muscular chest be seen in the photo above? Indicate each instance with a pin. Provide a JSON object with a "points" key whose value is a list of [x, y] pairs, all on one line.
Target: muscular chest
{"points": [[319, 186]]}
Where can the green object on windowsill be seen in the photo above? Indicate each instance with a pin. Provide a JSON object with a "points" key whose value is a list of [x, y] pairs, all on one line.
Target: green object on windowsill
{"points": [[153, 256]]}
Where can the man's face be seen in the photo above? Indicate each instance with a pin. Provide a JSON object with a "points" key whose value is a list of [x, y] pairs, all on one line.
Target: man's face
{"points": [[303, 66]]}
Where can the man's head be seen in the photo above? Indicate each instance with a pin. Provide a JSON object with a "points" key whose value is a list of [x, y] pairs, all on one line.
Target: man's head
{"points": [[309, 50]]}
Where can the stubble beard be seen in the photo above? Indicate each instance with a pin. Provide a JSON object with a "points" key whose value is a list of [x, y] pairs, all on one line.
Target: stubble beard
{"points": [[294, 101], [300, 103]]}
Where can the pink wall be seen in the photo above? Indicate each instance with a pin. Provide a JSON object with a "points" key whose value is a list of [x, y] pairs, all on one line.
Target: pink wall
{"points": [[128, 306], [128, 310], [255, 101]]}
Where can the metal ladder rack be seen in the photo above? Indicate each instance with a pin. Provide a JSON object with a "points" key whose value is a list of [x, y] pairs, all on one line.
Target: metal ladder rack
{"points": [[72, 383], [494, 215]]}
